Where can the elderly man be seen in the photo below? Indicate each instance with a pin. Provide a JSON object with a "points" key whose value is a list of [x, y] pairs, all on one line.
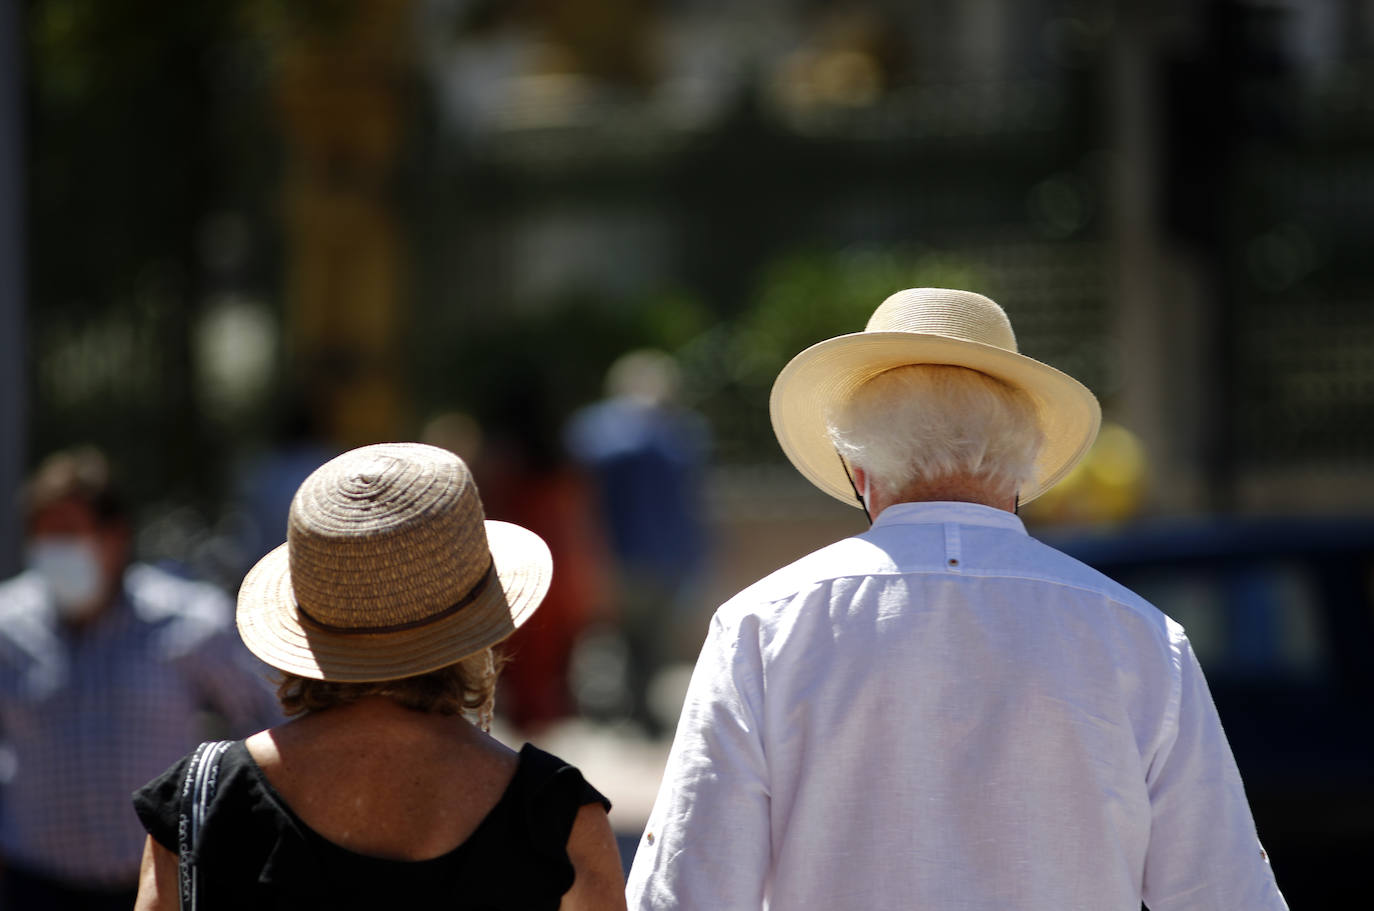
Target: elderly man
{"points": [[107, 671], [943, 712]]}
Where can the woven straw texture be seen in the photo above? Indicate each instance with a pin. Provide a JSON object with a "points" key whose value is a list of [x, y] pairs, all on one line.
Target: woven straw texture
{"points": [[389, 570], [926, 326]]}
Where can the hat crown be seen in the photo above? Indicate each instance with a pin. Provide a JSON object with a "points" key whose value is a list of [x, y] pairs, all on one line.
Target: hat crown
{"points": [[946, 312], [385, 536]]}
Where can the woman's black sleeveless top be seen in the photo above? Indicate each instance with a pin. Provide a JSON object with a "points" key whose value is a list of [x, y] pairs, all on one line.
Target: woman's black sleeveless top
{"points": [[256, 853]]}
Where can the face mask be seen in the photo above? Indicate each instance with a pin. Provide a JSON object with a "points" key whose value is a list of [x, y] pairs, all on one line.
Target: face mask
{"points": [[868, 493], [71, 569]]}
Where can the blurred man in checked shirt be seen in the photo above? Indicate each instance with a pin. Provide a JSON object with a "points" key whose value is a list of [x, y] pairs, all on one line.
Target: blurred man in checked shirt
{"points": [[107, 671]]}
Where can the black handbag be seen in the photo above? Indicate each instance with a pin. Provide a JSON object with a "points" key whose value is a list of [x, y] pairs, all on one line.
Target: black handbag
{"points": [[197, 789]]}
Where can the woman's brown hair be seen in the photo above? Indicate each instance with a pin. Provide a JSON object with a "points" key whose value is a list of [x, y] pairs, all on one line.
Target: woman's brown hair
{"points": [[469, 686]]}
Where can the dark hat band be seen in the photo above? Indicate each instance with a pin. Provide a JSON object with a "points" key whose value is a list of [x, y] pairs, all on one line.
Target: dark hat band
{"points": [[471, 596]]}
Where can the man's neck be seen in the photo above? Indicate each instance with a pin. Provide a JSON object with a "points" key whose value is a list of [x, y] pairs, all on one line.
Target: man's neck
{"points": [[948, 490], [80, 624]]}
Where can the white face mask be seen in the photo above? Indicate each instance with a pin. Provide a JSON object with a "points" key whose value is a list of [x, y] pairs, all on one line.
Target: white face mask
{"points": [[71, 569]]}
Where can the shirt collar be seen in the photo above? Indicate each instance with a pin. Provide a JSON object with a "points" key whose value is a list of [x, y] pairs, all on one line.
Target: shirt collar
{"points": [[933, 513]]}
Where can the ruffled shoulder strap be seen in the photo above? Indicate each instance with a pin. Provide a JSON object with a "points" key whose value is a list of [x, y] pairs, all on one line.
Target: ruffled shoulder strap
{"points": [[550, 793]]}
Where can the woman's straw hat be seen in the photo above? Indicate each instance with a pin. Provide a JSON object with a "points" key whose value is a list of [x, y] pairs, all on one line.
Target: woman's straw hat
{"points": [[925, 326], [389, 570]]}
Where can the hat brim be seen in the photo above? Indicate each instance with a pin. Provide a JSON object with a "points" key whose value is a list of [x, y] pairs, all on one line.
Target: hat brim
{"points": [[829, 372], [273, 628]]}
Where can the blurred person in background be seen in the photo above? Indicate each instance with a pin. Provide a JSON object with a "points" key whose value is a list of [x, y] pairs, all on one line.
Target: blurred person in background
{"points": [[647, 455], [943, 712], [265, 483], [381, 612], [527, 478], [107, 671]]}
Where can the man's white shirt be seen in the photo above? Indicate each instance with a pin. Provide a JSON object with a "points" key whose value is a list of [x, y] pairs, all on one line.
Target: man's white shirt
{"points": [[945, 713]]}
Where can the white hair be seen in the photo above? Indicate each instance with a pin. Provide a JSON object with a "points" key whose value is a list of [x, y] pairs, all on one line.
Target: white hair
{"points": [[925, 423]]}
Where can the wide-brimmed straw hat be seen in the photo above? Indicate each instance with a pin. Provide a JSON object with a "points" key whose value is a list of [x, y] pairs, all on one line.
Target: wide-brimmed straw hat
{"points": [[389, 569], [926, 326]]}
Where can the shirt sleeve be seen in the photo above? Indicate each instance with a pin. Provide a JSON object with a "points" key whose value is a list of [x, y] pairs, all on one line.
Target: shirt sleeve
{"points": [[158, 805], [194, 624], [708, 843], [1204, 853], [234, 684], [228, 679]]}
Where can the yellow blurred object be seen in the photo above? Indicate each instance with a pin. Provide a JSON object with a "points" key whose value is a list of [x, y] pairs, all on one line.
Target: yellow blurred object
{"points": [[849, 78], [847, 60], [341, 93], [1109, 485]]}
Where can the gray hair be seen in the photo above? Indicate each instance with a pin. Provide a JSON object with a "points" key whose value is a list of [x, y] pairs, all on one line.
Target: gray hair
{"points": [[925, 423]]}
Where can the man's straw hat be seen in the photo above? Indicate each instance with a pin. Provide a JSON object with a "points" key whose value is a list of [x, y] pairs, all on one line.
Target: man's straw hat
{"points": [[389, 570], [925, 326]]}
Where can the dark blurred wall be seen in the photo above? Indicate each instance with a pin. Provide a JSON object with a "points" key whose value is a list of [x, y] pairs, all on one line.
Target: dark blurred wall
{"points": [[1170, 199]]}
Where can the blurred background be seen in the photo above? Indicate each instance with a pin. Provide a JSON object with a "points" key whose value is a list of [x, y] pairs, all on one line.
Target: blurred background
{"points": [[239, 236]]}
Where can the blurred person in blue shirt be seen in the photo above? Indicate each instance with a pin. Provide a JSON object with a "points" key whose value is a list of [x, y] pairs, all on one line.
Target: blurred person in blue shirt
{"points": [[108, 672], [647, 455], [265, 483]]}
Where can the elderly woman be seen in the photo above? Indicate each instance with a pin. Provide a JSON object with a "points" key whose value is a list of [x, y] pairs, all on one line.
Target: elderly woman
{"points": [[381, 611]]}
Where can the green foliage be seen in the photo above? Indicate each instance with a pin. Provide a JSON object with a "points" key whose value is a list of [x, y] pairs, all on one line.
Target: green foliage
{"points": [[800, 299], [280, 19], [807, 297], [525, 374]]}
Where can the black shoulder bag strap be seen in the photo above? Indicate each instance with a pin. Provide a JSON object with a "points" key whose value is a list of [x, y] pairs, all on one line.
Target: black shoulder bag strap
{"points": [[202, 776]]}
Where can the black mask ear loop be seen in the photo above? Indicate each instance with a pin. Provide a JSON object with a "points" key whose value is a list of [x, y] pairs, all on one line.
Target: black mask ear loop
{"points": [[854, 487]]}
